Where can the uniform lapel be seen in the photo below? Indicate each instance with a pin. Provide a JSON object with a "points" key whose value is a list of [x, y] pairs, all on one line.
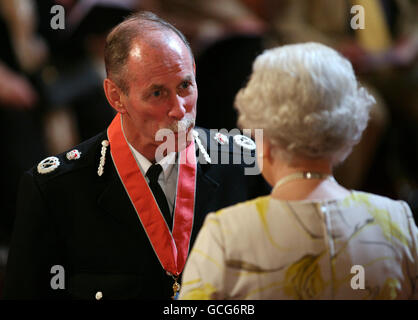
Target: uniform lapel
{"points": [[114, 199]]}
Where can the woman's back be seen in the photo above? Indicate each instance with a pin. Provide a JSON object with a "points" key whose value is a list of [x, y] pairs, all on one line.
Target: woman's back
{"points": [[361, 247]]}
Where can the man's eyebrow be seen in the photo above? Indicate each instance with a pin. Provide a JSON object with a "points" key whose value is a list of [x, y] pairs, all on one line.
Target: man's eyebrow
{"points": [[155, 87], [188, 78], [151, 89]]}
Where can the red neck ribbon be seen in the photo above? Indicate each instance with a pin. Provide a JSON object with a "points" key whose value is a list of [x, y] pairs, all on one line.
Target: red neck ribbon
{"points": [[171, 248]]}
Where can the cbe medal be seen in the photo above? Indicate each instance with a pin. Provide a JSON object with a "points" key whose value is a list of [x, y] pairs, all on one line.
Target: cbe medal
{"points": [[176, 287]]}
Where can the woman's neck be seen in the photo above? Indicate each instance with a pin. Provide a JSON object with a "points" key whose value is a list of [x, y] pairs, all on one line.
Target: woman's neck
{"points": [[317, 186]]}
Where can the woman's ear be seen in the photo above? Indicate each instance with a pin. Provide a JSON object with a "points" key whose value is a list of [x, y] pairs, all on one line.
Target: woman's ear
{"points": [[114, 95]]}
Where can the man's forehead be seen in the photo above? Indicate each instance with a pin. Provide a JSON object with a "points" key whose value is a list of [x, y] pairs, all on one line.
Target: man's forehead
{"points": [[157, 42], [158, 55]]}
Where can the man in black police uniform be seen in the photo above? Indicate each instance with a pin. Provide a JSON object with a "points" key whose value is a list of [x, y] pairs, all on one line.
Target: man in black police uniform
{"points": [[80, 210]]}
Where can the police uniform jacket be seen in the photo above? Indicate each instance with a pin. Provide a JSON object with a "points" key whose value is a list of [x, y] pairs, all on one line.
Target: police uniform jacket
{"points": [[75, 224]]}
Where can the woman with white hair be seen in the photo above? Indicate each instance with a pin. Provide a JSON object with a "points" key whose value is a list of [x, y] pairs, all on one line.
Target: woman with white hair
{"points": [[310, 238]]}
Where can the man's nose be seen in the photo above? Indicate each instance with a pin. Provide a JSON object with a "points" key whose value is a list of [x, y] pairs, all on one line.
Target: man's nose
{"points": [[177, 108]]}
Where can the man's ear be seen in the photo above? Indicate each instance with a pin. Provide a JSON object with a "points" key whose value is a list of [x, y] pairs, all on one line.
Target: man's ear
{"points": [[114, 95]]}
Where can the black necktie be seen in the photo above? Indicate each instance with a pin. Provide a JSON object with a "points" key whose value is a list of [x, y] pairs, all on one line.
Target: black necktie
{"points": [[153, 174]]}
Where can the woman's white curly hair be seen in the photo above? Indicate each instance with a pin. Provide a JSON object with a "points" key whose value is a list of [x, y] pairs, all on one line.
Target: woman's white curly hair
{"points": [[307, 100]]}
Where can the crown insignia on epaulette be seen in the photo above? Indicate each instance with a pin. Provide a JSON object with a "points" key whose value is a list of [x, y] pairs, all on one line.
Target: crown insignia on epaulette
{"points": [[73, 154]]}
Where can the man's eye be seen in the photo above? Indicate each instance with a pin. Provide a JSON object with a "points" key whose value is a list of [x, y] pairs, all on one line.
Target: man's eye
{"points": [[156, 93], [185, 85]]}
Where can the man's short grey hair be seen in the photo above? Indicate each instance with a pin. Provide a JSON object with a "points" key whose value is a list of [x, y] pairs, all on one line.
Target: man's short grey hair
{"points": [[307, 100]]}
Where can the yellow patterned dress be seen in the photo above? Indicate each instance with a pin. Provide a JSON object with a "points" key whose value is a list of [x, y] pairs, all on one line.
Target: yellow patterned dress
{"points": [[360, 247]]}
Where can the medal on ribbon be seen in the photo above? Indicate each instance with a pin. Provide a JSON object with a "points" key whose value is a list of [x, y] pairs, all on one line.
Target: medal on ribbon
{"points": [[171, 248]]}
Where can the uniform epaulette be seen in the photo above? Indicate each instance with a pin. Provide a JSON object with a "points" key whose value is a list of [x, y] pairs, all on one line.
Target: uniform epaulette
{"points": [[220, 146], [56, 165], [77, 157]]}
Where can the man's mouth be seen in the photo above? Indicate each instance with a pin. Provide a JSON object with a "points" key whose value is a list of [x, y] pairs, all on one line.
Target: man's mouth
{"points": [[184, 125]]}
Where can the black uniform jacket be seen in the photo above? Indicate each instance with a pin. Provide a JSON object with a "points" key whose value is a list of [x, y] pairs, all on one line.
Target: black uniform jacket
{"points": [[85, 223]]}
